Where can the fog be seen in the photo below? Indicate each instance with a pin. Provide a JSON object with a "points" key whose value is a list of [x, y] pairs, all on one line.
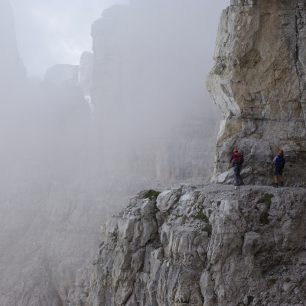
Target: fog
{"points": [[120, 105], [53, 32]]}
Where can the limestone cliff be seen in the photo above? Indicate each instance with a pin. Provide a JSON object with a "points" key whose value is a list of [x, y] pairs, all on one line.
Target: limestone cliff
{"points": [[202, 246], [259, 84]]}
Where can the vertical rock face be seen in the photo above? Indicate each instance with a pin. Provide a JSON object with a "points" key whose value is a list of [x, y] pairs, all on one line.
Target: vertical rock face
{"points": [[11, 66], [85, 73], [259, 83]]}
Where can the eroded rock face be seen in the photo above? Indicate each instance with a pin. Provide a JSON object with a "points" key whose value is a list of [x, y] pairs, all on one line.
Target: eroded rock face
{"points": [[259, 84], [210, 246]]}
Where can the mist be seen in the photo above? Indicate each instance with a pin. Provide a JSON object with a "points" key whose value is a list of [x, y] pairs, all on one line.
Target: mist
{"points": [[119, 105], [55, 32]]}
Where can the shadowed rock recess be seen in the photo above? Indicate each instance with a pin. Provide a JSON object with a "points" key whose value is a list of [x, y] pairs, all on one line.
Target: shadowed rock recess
{"points": [[207, 246], [259, 84]]}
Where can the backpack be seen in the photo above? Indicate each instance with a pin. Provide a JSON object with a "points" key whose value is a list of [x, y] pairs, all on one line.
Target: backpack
{"points": [[280, 162], [240, 159]]}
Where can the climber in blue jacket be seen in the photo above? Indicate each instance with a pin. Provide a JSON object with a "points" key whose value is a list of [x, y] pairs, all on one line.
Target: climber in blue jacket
{"points": [[279, 164]]}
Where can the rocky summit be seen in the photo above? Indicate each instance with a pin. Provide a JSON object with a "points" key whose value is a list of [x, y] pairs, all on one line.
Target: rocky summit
{"points": [[259, 84], [208, 246]]}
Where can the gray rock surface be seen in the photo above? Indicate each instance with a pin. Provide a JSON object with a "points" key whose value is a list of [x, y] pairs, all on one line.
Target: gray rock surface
{"points": [[259, 84], [210, 246]]}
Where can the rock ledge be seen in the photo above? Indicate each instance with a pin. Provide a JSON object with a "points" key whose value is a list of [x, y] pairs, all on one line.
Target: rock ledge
{"points": [[208, 246]]}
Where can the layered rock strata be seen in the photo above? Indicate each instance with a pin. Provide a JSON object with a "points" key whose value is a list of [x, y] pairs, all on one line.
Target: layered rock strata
{"points": [[259, 84], [202, 246]]}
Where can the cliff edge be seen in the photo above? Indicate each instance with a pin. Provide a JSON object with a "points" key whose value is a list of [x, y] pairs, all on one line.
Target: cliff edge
{"points": [[202, 246]]}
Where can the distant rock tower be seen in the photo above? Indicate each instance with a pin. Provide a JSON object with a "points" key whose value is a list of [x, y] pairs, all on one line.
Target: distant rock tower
{"points": [[259, 84], [12, 71]]}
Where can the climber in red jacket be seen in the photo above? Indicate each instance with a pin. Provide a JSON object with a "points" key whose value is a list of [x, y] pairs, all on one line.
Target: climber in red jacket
{"points": [[236, 162]]}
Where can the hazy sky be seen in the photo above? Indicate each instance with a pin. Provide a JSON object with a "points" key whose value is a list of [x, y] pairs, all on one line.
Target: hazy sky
{"points": [[57, 31]]}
